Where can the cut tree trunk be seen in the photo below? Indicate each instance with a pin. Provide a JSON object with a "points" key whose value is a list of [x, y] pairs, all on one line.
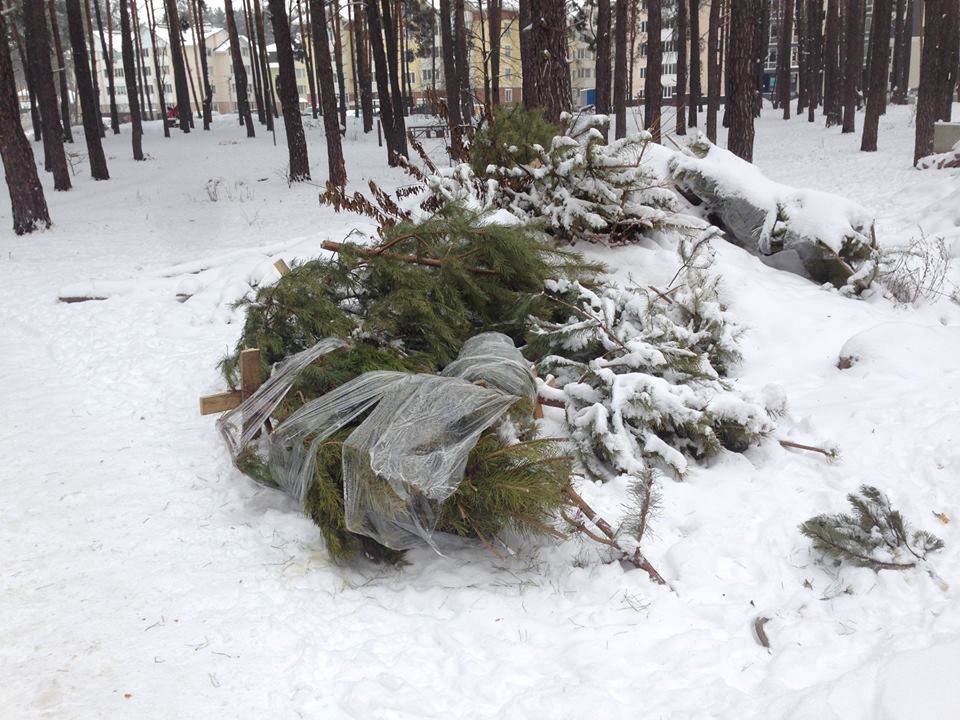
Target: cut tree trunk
{"points": [[288, 93], [28, 205]]}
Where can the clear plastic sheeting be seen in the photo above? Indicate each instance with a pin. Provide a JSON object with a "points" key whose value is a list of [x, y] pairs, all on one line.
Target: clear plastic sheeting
{"points": [[409, 454], [492, 359]]}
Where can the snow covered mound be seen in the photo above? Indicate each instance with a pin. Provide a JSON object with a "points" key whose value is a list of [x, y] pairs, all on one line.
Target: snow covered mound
{"points": [[898, 346], [829, 233]]}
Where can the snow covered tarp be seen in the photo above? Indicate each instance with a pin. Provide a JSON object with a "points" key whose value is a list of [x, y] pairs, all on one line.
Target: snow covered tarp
{"points": [[830, 235]]}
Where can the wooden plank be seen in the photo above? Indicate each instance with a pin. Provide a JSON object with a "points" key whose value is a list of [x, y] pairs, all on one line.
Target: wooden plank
{"points": [[249, 372], [282, 267], [221, 402]]}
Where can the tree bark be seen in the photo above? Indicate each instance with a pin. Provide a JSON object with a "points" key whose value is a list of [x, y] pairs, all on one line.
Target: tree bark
{"points": [[683, 25], [38, 55], [336, 167], [696, 91], [239, 72], [338, 54], [365, 79], [130, 79], [288, 93], [451, 80], [653, 87], [853, 65], [396, 95], [461, 59], [949, 49], [494, 19], [179, 71], [266, 82], [928, 96], [879, 69], [833, 77], [108, 63], [553, 69], [784, 51], [258, 80], [602, 60], [141, 64], [92, 44], [620, 69], [529, 63], [61, 74], [26, 193], [761, 49], [742, 76], [151, 19], [88, 102], [803, 53], [309, 53], [352, 22], [713, 68], [902, 51], [201, 41], [387, 116], [815, 60]]}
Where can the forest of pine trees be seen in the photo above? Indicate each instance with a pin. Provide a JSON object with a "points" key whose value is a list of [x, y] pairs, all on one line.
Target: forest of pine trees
{"points": [[65, 53]]}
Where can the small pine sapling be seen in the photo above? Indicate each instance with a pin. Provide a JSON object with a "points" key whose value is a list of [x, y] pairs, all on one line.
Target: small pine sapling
{"points": [[874, 535]]}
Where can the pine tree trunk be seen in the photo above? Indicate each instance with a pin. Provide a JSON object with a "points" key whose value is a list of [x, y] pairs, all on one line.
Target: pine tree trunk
{"points": [[179, 72], [190, 81], [696, 91], [309, 53], [831, 65], [336, 167], [494, 20], [725, 60], [151, 19], [653, 87], [130, 79], [26, 193], [365, 79], [902, 51], [338, 54], [61, 73], [853, 64], [602, 59], [204, 68], [266, 77], [256, 68], [462, 60], [815, 61], [92, 44], [741, 91], [25, 65], [784, 51], [381, 73], [239, 72], [928, 95], [713, 68], [620, 68], [108, 64], [141, 64], [38, 55], [353, 59], [879, 69], [949, 47], [484, 55], [88, 102], [681, 88], [553, 71], [761, 50], [803, 55], [451, 81], [529, 63], [288, 93], [396, 95], [899, 39]]}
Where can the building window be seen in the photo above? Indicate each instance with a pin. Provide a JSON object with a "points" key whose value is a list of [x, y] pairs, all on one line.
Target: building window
{"points": [[507, 73], [508, 95], [507, 51]]}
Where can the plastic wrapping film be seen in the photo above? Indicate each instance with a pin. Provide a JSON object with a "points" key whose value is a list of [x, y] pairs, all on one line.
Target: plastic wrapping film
{"points": [[409, 454]]}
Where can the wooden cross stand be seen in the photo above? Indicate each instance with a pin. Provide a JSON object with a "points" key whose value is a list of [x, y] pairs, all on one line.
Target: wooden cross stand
{"points": [[250, 380]]}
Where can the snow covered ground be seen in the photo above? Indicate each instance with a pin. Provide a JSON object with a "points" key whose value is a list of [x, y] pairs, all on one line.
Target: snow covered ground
{"points": [[142, 576]]}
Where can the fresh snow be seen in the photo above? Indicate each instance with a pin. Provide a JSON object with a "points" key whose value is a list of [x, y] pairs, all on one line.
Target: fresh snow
{"points": [[144, 577]]}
